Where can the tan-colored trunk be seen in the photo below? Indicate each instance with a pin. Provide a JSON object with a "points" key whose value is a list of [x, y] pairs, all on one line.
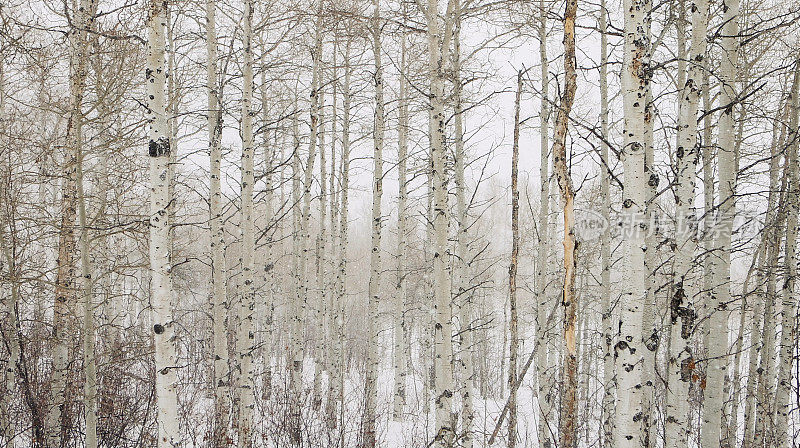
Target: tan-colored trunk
{"points": [[569, 299]]}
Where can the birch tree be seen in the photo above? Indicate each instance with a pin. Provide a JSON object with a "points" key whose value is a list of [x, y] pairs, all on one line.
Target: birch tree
{"points": [[629, 348], [463, 292], [373, 363], [513, 349], [399, 352], [783, 401], [245, 337], [605, 243], [160, 268], [218, 277], [681, 362], [89, 359], [439, 36], [65, 299], [718, 325], [542, 309]]}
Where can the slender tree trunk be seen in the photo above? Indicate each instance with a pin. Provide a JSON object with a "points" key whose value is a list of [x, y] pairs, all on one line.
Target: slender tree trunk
{"points": [[341, 280], [683, 315], [332, 334], [771, 222], [400, 353], [764, 374], [89, 358], [295, 355], [783, 399], [12, 333], [245, 339], [305, 260], [513, 348], [373, 362], [162, 297], [765, 371], [461, 261], [713, 400], [629, 349], [319, 306], [65, 289], [267, 305], [543, 380], [605, 244], [221, 378], [567, 433]]}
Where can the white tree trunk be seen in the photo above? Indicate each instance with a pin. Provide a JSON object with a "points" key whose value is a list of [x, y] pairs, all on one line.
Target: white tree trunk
{"points": [[683, 315], [321, 270], [783, 399], [753, 375], [650, 333], [13, 334], [267, 305], [65, 300], [341, 272], [295, 355], [629, 349], [513, 333], [245, 339], [305, 228], [605, 243], [162, 298], [438, 47], [89, 359], [373, 362], [713, 401], [544, 379], [399, 353], [463, 292], [332, 331], [219, 301]]}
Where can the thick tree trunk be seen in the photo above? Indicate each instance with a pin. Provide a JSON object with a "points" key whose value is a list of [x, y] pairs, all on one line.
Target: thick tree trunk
{"points": [[439, 43], [683, 315], [629, 349], [650, 332], [373, 361], [245, 339], [713, 400], [219, 301], [160, 270], [567, 424]]}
